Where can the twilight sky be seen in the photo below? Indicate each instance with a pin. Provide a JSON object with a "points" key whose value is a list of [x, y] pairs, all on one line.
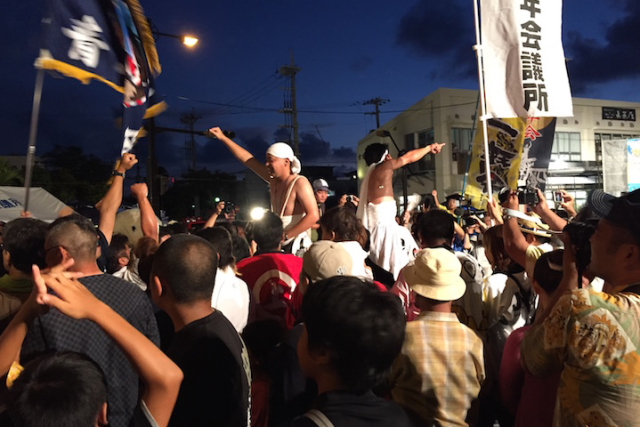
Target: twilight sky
{"points": [[349, 52]]}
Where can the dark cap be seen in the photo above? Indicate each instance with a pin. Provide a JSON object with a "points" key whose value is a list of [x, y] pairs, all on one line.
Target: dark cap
{"points": [[622, 211]]}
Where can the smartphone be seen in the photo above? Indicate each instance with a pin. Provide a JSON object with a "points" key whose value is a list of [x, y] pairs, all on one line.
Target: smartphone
{"points": [[557, 196]]}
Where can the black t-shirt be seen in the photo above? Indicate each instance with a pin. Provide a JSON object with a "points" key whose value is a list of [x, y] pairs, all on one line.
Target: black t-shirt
{"points": [[345, 409], [216, 387]]}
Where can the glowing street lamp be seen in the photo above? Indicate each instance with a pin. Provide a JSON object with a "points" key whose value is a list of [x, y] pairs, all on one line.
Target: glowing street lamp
{"points": [[189, 41]]}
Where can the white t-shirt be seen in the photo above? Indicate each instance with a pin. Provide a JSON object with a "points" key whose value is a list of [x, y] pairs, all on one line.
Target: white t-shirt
{"points": [[231, 297]]}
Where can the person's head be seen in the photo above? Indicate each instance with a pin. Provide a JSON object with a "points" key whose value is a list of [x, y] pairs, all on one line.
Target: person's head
{"points": [[23, 244], [222, 243], [340, 224], [72, 236], [119, 253], [241, 249], [184, 271], [171, 229], [267, 232], [325, 259], [615, 245], [62, 389], [453, 201], [535, 233], [495, 250], [436, 228], [321, 190], [281, 161], [376, 153], [547, 273], [428, 203], [353, 332], [435, 275]]}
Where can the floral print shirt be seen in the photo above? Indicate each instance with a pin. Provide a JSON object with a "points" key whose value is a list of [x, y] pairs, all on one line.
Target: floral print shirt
{"points": [[594, 338]]}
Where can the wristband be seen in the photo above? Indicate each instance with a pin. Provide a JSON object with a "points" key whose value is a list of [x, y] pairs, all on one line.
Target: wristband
{"points": [[116, 173]]}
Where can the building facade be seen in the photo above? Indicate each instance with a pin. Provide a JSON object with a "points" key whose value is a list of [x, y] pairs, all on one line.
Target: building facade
{"points": [[448, 115]]}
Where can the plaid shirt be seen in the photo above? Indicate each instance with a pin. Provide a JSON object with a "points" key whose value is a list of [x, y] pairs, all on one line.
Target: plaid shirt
{"points": [[440, 370], [56, 331]]}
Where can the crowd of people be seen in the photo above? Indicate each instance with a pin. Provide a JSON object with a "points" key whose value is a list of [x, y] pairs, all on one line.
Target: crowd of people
{"points": [[330, 310]]}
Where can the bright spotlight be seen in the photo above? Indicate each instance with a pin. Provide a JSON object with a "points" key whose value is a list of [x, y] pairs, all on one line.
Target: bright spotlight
{"points": [[257, 214]]}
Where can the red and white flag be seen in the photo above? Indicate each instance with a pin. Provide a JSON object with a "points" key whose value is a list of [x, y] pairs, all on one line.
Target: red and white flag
{"points": [[525, 73]]}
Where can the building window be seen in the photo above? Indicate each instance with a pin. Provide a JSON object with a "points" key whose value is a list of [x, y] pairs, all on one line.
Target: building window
{"points": [[427, 163], [461, 139], [566, 146]]}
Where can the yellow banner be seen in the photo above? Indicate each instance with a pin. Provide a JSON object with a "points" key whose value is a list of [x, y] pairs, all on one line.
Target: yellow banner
{"points": [[506, 144]]}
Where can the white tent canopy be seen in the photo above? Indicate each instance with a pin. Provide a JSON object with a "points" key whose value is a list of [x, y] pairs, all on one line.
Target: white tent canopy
{"points": [[42, 204]]}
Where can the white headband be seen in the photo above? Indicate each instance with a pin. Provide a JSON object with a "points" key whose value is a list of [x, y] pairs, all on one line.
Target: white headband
{"points": [[384, 156], [283, 150]]}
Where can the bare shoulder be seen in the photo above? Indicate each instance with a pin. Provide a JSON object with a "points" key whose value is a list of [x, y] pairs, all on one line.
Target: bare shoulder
{"points": [[302, 182]]}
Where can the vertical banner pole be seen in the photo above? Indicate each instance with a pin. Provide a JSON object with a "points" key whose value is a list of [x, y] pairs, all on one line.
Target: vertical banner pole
{"points": [[33, 133]]}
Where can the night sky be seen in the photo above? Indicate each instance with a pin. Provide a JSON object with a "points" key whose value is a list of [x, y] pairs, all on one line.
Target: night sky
{"points": [[349, 52]]}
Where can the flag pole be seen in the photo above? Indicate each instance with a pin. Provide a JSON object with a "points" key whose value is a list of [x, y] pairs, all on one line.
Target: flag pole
{"points": [[483, 99], [33, 133]]}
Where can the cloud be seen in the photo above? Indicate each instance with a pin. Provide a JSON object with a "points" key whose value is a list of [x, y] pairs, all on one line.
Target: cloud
{"points": [[612, 58], [361, 64], [440, 30]]}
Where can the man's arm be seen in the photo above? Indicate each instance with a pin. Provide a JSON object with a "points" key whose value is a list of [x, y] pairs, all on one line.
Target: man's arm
{"points": [[161, 376], [111, 202], [241, 154], [514, 241], [415, 155], [148, 218], [211, 222], [304, 194], [551, 218]]}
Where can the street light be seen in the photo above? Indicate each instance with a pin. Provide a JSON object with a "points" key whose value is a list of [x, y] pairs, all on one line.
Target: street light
{"points": [[189, 41]]}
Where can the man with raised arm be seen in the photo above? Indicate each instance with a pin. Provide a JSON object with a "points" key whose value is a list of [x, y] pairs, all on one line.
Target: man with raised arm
{"points": [[292, 197], [392, 246]]}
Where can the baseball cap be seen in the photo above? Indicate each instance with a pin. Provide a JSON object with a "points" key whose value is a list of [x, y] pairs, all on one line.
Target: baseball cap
{"points": [[320, 184], [435, 274], [622, 211], [325, 259]]}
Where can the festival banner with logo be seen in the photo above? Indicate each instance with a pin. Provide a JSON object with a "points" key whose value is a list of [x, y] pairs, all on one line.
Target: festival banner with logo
{"points": [[519, 153], [633, 164], [109, 41], [525, 74]]}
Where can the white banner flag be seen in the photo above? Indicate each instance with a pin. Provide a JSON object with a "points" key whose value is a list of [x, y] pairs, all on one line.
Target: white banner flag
{"points": [[525, 73]]}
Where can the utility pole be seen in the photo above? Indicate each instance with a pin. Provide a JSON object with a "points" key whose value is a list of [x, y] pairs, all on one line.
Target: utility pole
{"points": [[291, 108], [377, 102], [191, 120]]}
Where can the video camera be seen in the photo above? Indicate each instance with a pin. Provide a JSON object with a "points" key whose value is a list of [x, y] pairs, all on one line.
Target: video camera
{"points": [[526, 196], [229, 208]]}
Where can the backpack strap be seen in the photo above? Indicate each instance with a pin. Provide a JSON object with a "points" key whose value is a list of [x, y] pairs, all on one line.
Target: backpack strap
{"points": [[319, 418]]}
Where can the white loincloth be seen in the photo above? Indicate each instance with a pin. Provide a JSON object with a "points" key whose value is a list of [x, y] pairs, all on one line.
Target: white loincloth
{"points": [[392, 246]]}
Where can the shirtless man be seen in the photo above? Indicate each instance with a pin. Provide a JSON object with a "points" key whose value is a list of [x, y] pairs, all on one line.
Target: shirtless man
{"points": [[391, 245], [291, 194]]}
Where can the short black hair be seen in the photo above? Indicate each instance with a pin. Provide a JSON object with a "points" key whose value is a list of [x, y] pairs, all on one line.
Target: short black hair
{"points": [[373, 153], [436, 224], [76, 234], [267, 232], [117, 249], [24, 238], [61, 389], [241, 249], [343, 222], [548, 270], [362, 327], [220, 238], [187, 266]]}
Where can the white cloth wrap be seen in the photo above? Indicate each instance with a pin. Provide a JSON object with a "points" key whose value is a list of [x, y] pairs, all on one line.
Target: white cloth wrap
{"points": [[361, 212], [282, 150], [392, 246]]}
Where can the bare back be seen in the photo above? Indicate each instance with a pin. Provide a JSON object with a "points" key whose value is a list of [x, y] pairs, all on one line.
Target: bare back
{"points": [[380, 184]]}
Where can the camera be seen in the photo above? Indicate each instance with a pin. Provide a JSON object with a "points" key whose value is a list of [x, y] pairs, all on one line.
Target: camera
{"points": [[557, 197], [229, 208], [526, 196]]}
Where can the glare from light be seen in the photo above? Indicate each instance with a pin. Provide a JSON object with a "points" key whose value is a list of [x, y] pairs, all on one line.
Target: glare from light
{"points": [[257, 214], [217, 199], [189, 41]]}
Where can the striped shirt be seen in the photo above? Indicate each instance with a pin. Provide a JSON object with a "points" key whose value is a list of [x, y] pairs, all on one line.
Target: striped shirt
{"points": [[440, 370]]}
